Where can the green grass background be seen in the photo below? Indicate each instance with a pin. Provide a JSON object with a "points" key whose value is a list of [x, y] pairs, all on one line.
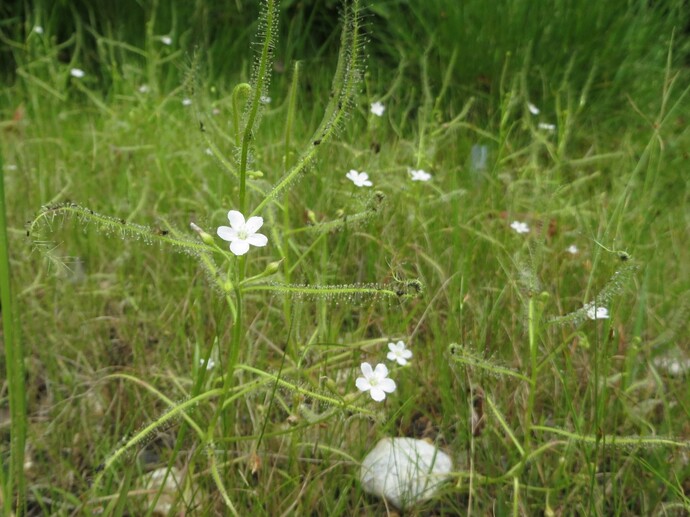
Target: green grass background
{"points": [[612, 77]]}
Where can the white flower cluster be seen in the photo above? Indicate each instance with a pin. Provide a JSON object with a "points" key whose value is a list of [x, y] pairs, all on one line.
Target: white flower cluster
{"points": [[375, 380]]}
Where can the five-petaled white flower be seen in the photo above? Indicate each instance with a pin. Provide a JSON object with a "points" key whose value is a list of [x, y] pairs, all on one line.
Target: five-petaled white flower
{"points": [[572, 249], [38, 29], [596, 313], [361, 179], [375, 381], [166, 40], [377, 108], [399, 353], [419, 175], [242, 234], [186, 101], [77, 72], [265, 99], [532, 109], [519, 227]]}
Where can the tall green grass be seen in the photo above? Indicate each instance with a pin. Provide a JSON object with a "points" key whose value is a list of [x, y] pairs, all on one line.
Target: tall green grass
{"points": [[542, 409]]}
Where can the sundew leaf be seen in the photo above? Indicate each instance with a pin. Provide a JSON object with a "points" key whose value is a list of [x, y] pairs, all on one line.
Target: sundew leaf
{"points": [[613, 287], [461, 355], [109, 226], [346, 81], [609, 440], [349, 292]]}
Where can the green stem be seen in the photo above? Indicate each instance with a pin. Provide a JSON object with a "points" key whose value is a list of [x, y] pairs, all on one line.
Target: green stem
{"points": [[14, 363], [233, 350]]}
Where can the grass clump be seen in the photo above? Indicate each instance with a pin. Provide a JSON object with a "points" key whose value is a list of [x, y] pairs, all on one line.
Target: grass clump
{"points": [[534, 263]]}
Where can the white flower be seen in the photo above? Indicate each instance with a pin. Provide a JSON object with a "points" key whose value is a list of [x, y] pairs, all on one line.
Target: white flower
{"points": [[532, 109], [361, 179], [77, 72], [186, 101], [38, 29], [419, 175], [209, 366], [144, 88], [519, 227], [572, 249], [376, 381], [546, 126], [399, 353], [596, 313], [377, 108], [242, 234], [265, 99], [208, 151], [166, 40]]}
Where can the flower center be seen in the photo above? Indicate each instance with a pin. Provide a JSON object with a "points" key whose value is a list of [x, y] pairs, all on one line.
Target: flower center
{"points": [[242, 234]]}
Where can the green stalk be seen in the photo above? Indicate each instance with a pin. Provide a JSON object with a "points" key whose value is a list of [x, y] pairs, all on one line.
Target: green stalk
{"points": [[232, 355], [14, 361], [532, 329]]}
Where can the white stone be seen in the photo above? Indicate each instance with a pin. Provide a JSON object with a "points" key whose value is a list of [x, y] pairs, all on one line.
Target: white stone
{"points": [[177, 489], [404, 471]]}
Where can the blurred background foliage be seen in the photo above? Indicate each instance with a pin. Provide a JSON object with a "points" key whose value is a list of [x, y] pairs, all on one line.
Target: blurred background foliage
{"points": [[613, 46]]}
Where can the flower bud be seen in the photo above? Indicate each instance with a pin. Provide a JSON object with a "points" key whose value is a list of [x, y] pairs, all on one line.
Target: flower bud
{"points": [[208, 239], [272, 268]]}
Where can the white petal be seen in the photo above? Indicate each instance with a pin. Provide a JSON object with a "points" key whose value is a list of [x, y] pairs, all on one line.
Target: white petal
{"points": [[406, 354], [366, 370], [257, 239], [236, 219], [381, 371], [362, 384], [253, 224], [226, 233], [377, 394], [239, 247], [392, 356], [387, 385]]}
